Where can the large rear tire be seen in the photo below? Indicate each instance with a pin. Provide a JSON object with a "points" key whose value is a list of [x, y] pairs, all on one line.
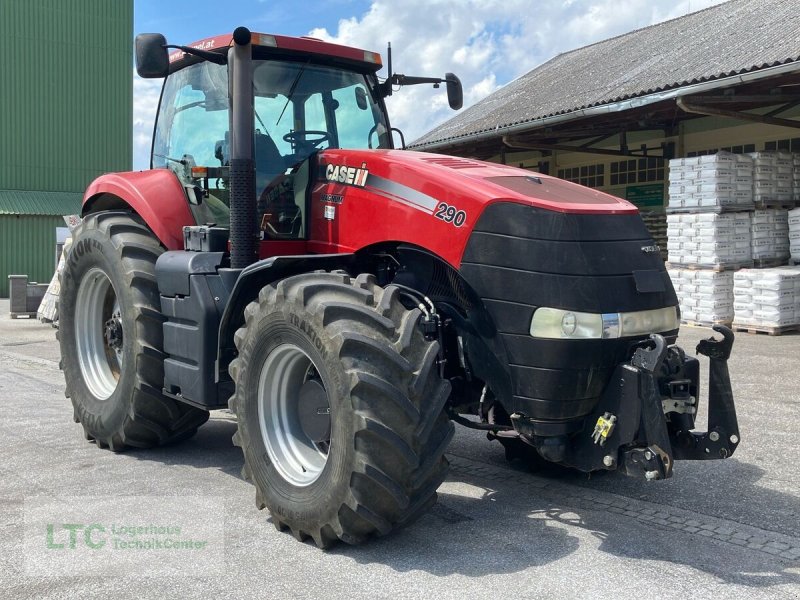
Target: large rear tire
{"points": [[111, 337], [322, 345]]}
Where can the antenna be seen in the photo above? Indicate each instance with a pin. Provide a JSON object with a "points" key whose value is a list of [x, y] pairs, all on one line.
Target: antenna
{"points": [[389, 67]]}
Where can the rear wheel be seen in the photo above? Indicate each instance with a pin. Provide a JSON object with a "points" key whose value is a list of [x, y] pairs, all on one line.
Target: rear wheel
{"points": [[111, 337], [340, 408]]}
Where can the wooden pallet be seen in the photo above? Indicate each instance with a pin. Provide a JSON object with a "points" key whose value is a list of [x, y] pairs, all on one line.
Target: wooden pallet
{"points": [[766, 204], [768, 263], [766, 329], [746, 264], [720, 208], [705, 323]]}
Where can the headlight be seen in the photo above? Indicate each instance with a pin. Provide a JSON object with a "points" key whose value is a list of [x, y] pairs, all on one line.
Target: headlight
{"points": [[569, 324]]}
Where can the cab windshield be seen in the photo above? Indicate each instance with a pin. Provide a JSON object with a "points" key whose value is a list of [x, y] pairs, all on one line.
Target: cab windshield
{"points": [[300, 108]]}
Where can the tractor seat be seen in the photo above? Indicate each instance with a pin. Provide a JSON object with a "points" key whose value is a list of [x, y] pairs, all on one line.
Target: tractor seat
{"points": [[269, 161]]}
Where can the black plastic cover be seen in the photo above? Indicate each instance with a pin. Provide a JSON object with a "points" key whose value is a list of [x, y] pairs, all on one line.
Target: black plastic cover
{"points": [[193, 297], [174, 268], [204, 238]]}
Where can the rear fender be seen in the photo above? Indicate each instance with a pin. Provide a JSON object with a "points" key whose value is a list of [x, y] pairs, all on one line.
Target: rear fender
{"points": [[157, 196]]}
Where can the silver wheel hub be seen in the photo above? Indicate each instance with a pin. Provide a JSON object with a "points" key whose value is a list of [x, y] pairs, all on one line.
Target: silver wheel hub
{"points": [[294, 415], [98, 334]]}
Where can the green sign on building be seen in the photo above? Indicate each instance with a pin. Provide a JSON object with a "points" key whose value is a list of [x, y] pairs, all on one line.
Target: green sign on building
{"points": [[646, 196]]}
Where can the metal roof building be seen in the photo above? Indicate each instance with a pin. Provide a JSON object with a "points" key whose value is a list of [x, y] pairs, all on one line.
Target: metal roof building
{"points": [[724, 61], [65, 118]]}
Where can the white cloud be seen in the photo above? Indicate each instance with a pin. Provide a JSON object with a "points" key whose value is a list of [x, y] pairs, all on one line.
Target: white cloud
{"points": [[487, 43]]}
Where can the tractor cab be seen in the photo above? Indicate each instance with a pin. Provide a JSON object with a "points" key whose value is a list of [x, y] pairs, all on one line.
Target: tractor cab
{"points": [[302, 103]]}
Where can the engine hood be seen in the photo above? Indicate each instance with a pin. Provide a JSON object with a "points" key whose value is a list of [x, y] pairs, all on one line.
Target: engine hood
{"points": [[360, 198], [484, 182]]}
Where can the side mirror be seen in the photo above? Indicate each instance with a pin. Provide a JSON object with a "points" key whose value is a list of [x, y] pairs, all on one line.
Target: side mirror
{"points": [[152, 58], [455, 93]]}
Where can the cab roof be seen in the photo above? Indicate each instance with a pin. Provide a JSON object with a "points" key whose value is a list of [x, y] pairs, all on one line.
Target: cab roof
{"points": [[364, 59]]}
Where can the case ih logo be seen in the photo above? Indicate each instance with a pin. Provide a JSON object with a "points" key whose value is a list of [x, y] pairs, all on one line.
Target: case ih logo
{"points": [[348, 175]]}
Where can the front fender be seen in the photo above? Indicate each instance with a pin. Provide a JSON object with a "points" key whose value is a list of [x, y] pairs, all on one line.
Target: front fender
{"points": [[156, 195], [253, 278]]}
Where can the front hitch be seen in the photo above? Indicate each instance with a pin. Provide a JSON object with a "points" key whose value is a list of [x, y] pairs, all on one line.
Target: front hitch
{"points": [[655, 460], [646, 416]]}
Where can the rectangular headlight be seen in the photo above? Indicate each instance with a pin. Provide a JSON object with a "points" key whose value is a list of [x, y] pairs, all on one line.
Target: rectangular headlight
{"points": [[556, 323]]}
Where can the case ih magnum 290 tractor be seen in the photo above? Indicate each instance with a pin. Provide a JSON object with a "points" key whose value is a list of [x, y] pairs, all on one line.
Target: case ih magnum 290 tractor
{"points": [[349, 301]]}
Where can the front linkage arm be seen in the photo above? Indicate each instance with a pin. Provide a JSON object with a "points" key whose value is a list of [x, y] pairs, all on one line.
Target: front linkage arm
{"points": [[722, 437]]}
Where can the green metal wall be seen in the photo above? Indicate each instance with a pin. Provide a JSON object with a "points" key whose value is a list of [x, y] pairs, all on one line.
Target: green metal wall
{"points": [[66, 86], [27, 247]]}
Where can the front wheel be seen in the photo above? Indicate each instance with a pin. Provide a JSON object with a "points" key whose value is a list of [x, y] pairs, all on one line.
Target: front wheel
{"points": [[340, 408]]}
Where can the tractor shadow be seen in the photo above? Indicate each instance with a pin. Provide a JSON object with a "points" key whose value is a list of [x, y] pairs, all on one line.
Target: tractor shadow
{"points": [[495, 520], [483, 525], [210, 448]]}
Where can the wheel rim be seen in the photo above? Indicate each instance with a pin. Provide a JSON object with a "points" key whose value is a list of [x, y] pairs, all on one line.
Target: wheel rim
{"points": [[298, 458], [99, 334]]}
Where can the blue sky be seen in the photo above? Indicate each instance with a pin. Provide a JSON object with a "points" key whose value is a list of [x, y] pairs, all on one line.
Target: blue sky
{"points": [[184, 22], [487, 43]]}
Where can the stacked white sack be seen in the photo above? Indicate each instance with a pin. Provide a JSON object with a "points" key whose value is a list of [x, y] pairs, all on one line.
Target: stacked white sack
{"points": [[767, 297], [708, 239], [765, 176], [794, 233], [704, 296], [721, 179], [769, 234], [796, 177]]}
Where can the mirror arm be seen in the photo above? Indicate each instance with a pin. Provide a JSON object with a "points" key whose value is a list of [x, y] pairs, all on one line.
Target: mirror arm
{"points": [[400, 79], [219, 59]]}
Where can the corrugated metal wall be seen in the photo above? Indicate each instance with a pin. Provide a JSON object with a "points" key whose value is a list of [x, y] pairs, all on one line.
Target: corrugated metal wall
{"points": [[27, 247], [66, 92]]}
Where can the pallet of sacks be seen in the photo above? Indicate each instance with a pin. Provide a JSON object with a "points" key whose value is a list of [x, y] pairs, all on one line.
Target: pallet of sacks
{"points": [[705, 297], [767, 300], [709, 240], [721, 181], [769, 234], [793, 221]]}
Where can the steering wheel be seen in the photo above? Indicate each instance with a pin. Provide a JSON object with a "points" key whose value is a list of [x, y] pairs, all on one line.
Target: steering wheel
{"points": [[307, 136]]}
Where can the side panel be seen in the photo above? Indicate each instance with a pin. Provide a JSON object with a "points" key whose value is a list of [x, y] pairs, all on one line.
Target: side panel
{"points": [[157, 196]]}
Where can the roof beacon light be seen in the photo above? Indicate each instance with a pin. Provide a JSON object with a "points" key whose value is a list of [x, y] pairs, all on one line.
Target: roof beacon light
{"points": [[372, 57]]}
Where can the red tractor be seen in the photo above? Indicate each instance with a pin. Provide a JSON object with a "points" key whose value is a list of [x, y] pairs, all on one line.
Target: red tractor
{"points": [[349, 301]]}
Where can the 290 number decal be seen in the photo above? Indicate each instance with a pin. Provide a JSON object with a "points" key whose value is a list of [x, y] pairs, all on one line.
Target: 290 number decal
{"points": [[450, 214]]}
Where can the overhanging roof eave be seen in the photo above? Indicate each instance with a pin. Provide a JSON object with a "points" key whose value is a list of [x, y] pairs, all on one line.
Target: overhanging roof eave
{"points": [[612, 107]]}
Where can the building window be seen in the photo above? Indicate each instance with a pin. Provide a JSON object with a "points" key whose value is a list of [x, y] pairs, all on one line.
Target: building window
{"points": [[588, 175], [787, 145], [637, 170], [743, 149]]}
